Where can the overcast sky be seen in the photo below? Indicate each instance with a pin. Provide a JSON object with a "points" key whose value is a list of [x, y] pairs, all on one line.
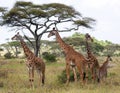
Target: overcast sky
{"points": [[105, 12]]}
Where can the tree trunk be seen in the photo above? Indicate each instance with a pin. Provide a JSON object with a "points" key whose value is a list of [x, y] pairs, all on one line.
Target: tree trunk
{"points": [[37, 46], [16, 53]]}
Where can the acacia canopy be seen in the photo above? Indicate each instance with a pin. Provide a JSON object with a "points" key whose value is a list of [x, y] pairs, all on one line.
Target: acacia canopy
{"points": [[39, 19]]}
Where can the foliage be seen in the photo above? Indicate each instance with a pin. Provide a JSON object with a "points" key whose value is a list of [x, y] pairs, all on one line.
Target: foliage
{"points": [[113, 49], [96, 48], [77, 41], [49, 57], [62, 77], [2, 11], [14, 43]]}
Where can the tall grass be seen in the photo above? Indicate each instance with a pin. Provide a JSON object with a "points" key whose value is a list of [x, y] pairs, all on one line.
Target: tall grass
{"points": [[17, 80]]}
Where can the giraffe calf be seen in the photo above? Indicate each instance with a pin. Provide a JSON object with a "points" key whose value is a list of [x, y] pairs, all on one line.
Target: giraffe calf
{"points": [[103, 69]]}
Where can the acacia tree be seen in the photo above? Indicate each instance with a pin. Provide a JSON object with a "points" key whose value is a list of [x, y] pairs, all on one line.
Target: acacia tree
{"points": [[2, 11], [39, 19], [16, 45]]}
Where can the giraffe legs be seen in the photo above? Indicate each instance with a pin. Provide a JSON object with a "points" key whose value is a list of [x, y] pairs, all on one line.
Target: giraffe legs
{"points": [[86, 73], [106, 73], [74, 72], [82, 73], [93, 73], [80, 69], [31, 76], [41, 77], [67, 73]]}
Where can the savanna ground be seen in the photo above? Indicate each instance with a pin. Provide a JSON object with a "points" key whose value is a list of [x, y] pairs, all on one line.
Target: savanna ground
{"points": [[14, 79]]}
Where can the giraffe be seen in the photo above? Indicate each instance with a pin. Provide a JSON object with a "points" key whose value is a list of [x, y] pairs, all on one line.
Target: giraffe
{"points": [[103, 69], [72, 57], [32, 62], [94, 65]]}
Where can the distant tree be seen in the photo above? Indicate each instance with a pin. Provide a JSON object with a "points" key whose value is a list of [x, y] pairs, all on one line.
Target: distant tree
{"points": [[16, 45], [78, 41], [49, 57], [111, 49], [1, 49], [6, 47], [39, 19], [8, 55], [2, 11], [96, 48]]}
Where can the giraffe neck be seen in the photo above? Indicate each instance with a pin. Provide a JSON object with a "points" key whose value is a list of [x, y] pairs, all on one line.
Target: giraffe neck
{"points": [[89, 53], [106, 62], [27, 51], [63, 45]]}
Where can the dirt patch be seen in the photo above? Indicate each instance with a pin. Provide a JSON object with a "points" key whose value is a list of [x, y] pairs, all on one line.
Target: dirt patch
{"points": [[3, 73], [1, 84], [116, 83], [3, 62]]}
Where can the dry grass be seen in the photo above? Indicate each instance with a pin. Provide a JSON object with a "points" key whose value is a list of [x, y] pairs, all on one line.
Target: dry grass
{"points": [[15, 80]]}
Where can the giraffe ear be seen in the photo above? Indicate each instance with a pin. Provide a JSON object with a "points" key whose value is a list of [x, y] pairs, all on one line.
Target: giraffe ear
{"points": [[108, 55], [53, 31], [88, 37], [53, 28], [17, 33]]}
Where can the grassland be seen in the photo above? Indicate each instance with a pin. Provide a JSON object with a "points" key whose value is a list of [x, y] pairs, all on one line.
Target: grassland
{"points": [[14, 79]]}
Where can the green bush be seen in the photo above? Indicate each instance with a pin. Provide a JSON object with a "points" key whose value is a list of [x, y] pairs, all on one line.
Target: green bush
{"points": [[8, 55], [49, 57], [111, 74], [62, 78]]}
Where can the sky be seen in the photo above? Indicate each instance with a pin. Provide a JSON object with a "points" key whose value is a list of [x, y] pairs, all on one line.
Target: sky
{"points": [[105, 12]]}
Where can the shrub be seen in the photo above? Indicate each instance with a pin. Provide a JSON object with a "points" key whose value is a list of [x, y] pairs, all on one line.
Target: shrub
{"points": [[8, 55], [49, 57], [62, 77]]}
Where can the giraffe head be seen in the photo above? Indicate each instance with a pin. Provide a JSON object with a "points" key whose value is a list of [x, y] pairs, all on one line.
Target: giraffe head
{"points": [[88, 37], [17, 37], [52, 33], [109, 58]]}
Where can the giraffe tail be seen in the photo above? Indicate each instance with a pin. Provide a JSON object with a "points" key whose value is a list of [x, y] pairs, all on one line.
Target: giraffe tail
{"points": [[43, 79], [84, 76], [98, 77]]}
